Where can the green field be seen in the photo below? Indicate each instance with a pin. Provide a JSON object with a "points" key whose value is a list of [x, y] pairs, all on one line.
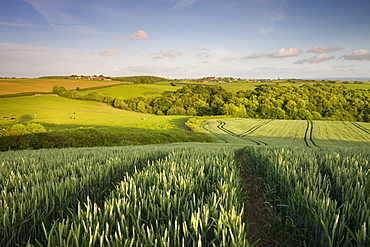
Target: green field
{"points": [[181, 195], [138, 90], [285, 133], [172, 195], [55, 112]]}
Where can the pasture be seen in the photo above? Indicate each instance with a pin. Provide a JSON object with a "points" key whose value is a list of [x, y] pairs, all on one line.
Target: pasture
{"points": [[133, 90], [288, 133], [56, 112]]}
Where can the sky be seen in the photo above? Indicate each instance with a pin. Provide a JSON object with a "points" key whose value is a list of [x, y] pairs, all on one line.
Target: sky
{"points": [[186, 38]]}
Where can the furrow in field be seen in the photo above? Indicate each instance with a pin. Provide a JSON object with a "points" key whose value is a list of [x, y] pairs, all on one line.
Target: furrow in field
{"points": [[330, 133], [308, 135], [311, 131], [254, 128], [221, 126], [361, 128]]}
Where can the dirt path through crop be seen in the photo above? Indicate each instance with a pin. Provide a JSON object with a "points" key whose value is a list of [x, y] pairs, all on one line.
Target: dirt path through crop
{"points": [[257, 211]]}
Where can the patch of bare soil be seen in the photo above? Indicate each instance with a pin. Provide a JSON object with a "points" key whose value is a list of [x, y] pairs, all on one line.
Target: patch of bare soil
{"points": [[105, 105], [55, 95], [263, 229]]}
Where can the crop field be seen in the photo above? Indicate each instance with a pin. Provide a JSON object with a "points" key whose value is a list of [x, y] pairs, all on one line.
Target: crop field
{"points": [[285, 133], [321, 195], [163, 195], [55, 112], [12, 86], [180, 195]]}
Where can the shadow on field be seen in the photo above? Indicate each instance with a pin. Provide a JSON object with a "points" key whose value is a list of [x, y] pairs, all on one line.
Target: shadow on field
{"points": [[177, 125], [166, 92], [25, 118], [91, 136]]}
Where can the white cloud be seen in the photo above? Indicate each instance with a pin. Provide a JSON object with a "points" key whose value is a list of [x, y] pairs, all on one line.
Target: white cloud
{"points": [[256, 55], [282, 52], [324, 49], [140, 34], [54, 11], [139, 50], [203, 52], [142, 69], [59, 15], [316, 59], [204, 55], [106, 52], [360, 54], [167, 53], [17, 24], [200, 48], [269, 13], [185, 3], [270, 27], [228, 59]]}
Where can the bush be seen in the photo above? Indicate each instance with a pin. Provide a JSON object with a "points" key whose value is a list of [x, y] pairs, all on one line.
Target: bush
{"points": [[21, 129]]}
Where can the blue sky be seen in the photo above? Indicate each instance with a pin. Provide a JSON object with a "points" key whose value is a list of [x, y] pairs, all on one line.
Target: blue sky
{"points": [[186, 38]]}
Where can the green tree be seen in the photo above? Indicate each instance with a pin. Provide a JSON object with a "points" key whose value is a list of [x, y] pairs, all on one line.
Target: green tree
{"points": [[59, 90], [176, 111], [120, 103]]}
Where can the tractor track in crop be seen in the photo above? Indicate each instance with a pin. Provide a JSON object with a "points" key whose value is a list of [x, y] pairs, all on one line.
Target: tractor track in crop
{"points": [[308, 135], [254, 128], [361, 127], [221, 126]]}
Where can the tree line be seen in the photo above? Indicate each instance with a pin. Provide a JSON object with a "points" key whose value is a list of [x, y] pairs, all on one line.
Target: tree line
{"points": [[139, 79], [309, 101]]}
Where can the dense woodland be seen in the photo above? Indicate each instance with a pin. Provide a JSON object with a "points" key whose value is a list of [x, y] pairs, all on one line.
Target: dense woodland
{"points": [[309, 101]]}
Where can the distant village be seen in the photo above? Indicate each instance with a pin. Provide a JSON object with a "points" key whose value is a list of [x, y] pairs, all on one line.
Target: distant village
{"points": [[231, 79], [92, 78]]}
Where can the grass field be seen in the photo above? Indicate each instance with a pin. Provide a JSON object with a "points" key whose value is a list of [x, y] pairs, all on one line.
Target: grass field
{"points": [[12, 86], [138, 90], [55, 112], [284, 133], [365, 86]]}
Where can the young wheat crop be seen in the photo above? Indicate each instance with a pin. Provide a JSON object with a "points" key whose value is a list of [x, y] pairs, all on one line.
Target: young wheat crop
{"points": [[323, 195]]}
